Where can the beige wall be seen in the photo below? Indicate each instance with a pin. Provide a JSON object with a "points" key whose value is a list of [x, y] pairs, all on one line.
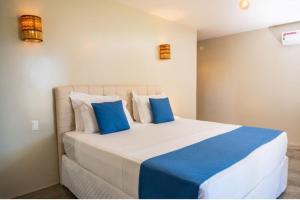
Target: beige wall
{"points": [[251, 79], [85, 42]]}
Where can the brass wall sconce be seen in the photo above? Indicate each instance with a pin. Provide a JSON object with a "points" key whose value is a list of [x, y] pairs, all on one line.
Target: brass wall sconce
{"points": [[164, 51], [31, 28]]}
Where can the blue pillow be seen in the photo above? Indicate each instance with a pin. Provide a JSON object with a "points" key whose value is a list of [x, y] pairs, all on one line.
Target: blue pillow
{"points": [[110, 117], [161, 110]]}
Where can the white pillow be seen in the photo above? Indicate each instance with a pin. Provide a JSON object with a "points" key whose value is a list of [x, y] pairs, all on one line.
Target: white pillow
{"points": [[89, 118], [134, 107], [77, 99], [141, 107], [84, 114]]}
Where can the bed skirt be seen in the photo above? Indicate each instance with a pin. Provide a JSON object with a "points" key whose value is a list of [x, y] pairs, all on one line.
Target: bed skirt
{"points": [[85, 185]]}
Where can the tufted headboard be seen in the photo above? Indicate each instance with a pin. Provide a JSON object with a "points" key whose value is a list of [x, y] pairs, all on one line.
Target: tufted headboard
{"points": [[65, 121]]}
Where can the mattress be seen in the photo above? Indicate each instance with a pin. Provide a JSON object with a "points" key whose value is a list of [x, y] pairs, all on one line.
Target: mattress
{"points": [[116, 158]]}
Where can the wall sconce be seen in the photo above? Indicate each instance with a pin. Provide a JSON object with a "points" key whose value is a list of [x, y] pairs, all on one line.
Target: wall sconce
{"points": [[164, 51], [244, 4], [31, 28]]}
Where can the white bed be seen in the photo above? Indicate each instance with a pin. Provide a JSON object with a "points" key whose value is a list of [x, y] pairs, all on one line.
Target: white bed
{"points": [[116, 158], [107, 166]]}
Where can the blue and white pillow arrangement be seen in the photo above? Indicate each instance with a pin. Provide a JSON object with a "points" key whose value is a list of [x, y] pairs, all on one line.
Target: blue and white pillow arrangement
{"points": [[85, 118], [153, 108], [108, 114]]}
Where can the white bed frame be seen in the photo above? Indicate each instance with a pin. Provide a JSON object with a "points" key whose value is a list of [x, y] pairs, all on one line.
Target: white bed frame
{"points": [[84, 184]]}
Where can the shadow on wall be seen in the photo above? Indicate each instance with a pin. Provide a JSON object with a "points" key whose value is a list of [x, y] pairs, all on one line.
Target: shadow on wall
{"points": [[277, 30]]}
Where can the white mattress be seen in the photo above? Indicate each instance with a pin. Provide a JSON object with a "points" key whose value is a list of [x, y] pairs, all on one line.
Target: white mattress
{"points": [[116, 158]]}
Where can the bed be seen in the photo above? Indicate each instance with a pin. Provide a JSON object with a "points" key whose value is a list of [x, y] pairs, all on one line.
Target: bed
{"points": [[93, 166]]}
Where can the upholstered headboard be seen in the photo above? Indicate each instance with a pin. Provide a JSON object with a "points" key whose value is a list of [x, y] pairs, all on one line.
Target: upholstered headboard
{"points": [[65, 121]]}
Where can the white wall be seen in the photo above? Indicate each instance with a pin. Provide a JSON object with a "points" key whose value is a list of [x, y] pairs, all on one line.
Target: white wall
{"points": [[251, 79], [85, 42]]}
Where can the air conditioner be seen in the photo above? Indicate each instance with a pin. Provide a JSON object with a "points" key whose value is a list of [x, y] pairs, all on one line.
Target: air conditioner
{"points": [[291, 38]]}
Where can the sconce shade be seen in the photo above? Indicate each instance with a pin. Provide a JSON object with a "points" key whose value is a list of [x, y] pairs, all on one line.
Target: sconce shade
{"points": [[164, 51], [31, 28]]}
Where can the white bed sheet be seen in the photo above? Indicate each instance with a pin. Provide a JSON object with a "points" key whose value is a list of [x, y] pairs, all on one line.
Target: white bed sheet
{"points": [[116, 158]]}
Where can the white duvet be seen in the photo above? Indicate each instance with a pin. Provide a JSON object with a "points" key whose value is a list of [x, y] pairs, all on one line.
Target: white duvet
{"points": [[116, 158]]}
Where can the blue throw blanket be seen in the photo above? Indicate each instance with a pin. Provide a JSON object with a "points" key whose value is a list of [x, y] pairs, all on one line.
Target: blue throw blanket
{"points": [[180, 173]]}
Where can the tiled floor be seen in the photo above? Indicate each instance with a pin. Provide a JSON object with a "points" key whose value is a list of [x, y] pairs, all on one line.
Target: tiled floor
{"points": [[292, 191]]}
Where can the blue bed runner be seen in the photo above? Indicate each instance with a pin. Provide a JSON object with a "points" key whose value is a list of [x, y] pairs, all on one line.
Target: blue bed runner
{"points": [[179, 174]]}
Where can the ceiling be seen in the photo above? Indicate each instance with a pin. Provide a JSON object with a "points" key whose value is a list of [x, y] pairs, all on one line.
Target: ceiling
{"points": [[216, 18]]}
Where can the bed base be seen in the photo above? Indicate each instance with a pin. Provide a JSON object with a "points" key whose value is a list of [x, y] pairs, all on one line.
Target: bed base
{"points": [[85, 185]]}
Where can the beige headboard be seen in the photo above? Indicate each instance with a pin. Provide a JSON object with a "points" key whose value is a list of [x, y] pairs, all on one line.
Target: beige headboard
{"points": [[64, 112]]}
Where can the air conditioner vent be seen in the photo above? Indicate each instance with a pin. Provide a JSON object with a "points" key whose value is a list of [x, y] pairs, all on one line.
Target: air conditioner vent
{"points": [[291, 38]]}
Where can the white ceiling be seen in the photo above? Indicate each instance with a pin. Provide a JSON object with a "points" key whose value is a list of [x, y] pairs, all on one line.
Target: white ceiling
{"points": [[216, 18]]}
